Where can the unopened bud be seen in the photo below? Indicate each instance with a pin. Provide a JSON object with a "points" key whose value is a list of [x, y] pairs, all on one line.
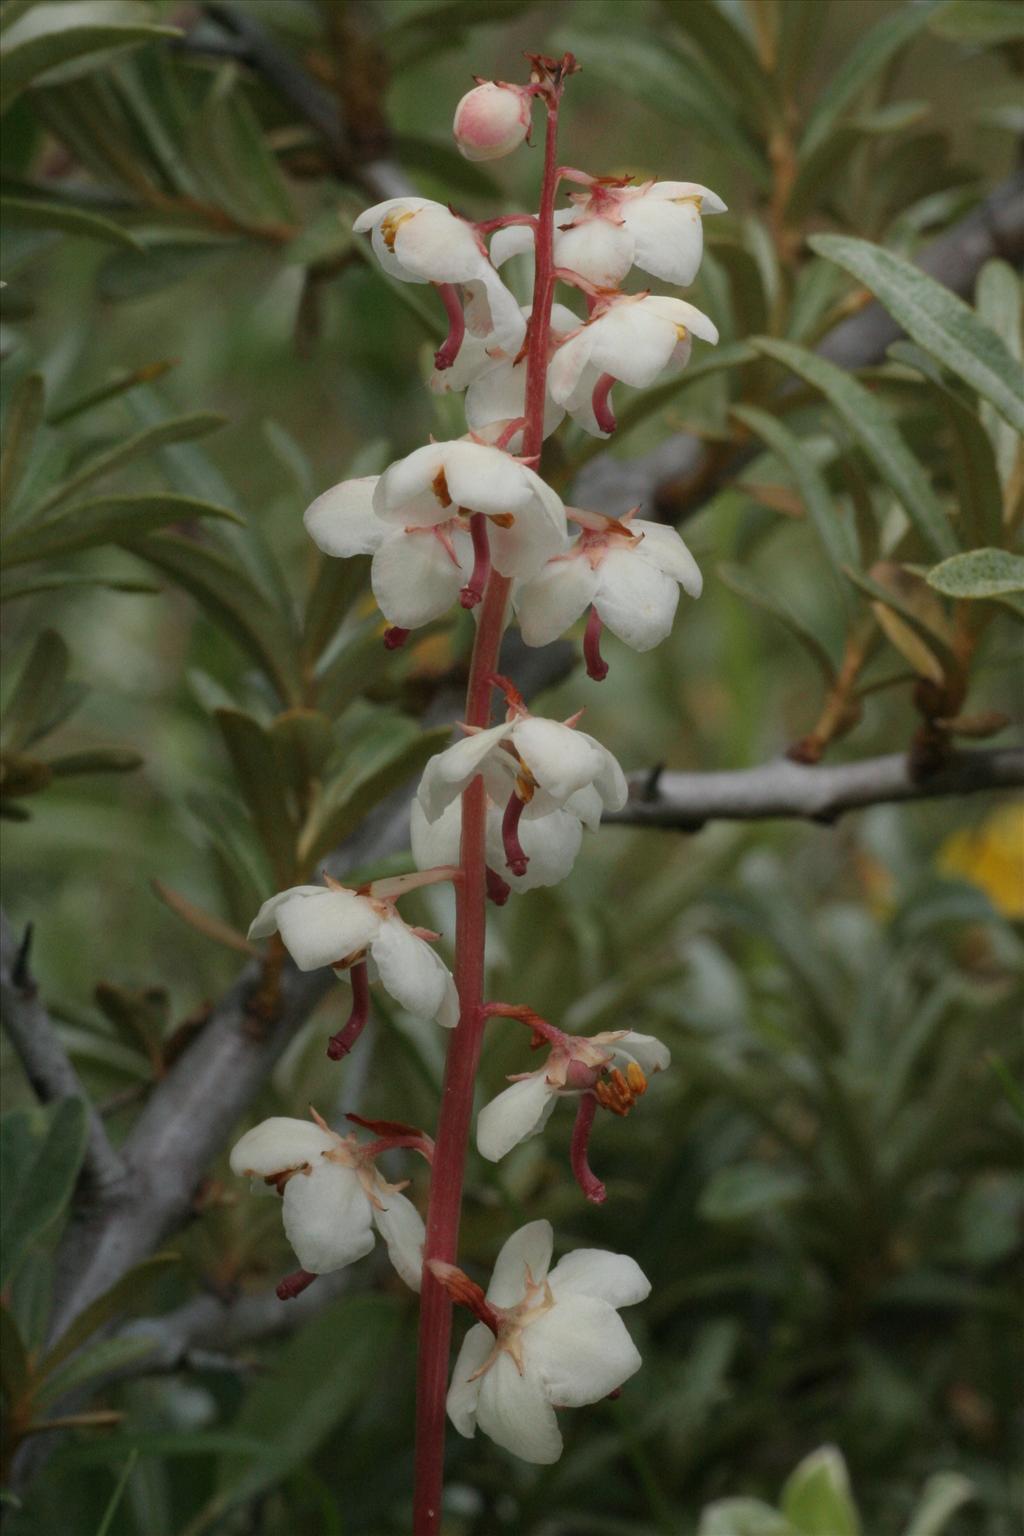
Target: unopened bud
{"points": [[492, 120]]}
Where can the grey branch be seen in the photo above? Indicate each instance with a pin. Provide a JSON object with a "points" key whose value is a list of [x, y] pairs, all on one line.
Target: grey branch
{"points": [[46, 1063], [687, 801]]}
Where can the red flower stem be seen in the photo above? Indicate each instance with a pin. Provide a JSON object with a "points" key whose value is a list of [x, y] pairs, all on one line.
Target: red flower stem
{"points": [[524, 1015], [456, 1109], [449, 349]]}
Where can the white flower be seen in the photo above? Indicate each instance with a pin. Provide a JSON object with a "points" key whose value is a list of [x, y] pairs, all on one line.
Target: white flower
{"points": [[628, 569], [631, 337], [550, 838], [560, 1343], [527, 758], [333, 1196], [614, 1065], [335, 926], [492, 120], [656, 227], [495, 384], [416, 573], [526, 520], [419, 241]]}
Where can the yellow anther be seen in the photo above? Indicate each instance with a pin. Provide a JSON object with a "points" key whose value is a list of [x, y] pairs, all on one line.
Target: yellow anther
{"points": [[390, 226], [636, 1080]]}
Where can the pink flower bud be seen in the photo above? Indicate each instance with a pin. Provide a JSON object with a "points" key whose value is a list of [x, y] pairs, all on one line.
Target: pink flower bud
{"points": [[492, 120]]}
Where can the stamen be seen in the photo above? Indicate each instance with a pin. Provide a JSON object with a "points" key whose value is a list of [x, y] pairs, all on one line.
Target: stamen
{"points": [[473, 592], [498, 890], [619, 1093], [601, 404], [341, 1043], [587, 1180], [515, 857], [439, 486], [395, 637], [446, 354], [294, 1284], [597, 667]]}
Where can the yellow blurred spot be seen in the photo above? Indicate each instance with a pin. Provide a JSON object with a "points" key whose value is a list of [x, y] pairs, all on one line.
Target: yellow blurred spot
{"points": [[991, 856]]}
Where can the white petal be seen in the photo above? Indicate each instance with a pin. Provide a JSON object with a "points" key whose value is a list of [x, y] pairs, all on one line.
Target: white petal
{"points": [[319, 929], [414, 578], [550, 839], [265, 921], [509, 242], [474, 357], [561, 760], [516, 1114], [679, 312], [709, 201], [493, 311], [554, 599], [409, 969], [609, 781], [437, 245], [580, 403], [662, 546], [404, 494], [568, 364], [514, 1411], [614, 1278], [649, 1054], [448, 1013], [586, 805], [485, 479], [327, 1218], [636, 600], [435, 842], [371, 217], [401, 1226], [342, 521], [669, 238], [464, 1393], [529, 1248], [447, 774], [277, 1144], [632, 342], [597, 249], [581, 1350]]}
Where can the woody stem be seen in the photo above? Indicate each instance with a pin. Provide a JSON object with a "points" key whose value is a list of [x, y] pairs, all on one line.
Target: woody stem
{"points": [[470, 928]]}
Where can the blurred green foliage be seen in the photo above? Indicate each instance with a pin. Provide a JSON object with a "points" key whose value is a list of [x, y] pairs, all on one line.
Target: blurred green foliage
{"points": [[825, 1190]]}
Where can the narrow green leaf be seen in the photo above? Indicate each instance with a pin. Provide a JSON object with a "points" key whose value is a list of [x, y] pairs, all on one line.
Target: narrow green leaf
{"points": [[740, 582], [870, 423], [862, 64], [729, 55], [338, 584], [37, 694], [303, 741], [440, 159], [355, 1336], [979, 573], [980, 23], [106, 520], [747, 1190], [29, 214], [999, 295], [263, 787], [127, 1296], [31, 584], [836, 536], [107, 1522], [95, 760], [743, 1517], [377, 769], [178, 429], [119, 385], [15, 1366], [231, 600], [21, 424], [941, 323], [974, 464], [934, 642], [43, 1192], [46, 38], [95, 1360], [162, 263]]}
